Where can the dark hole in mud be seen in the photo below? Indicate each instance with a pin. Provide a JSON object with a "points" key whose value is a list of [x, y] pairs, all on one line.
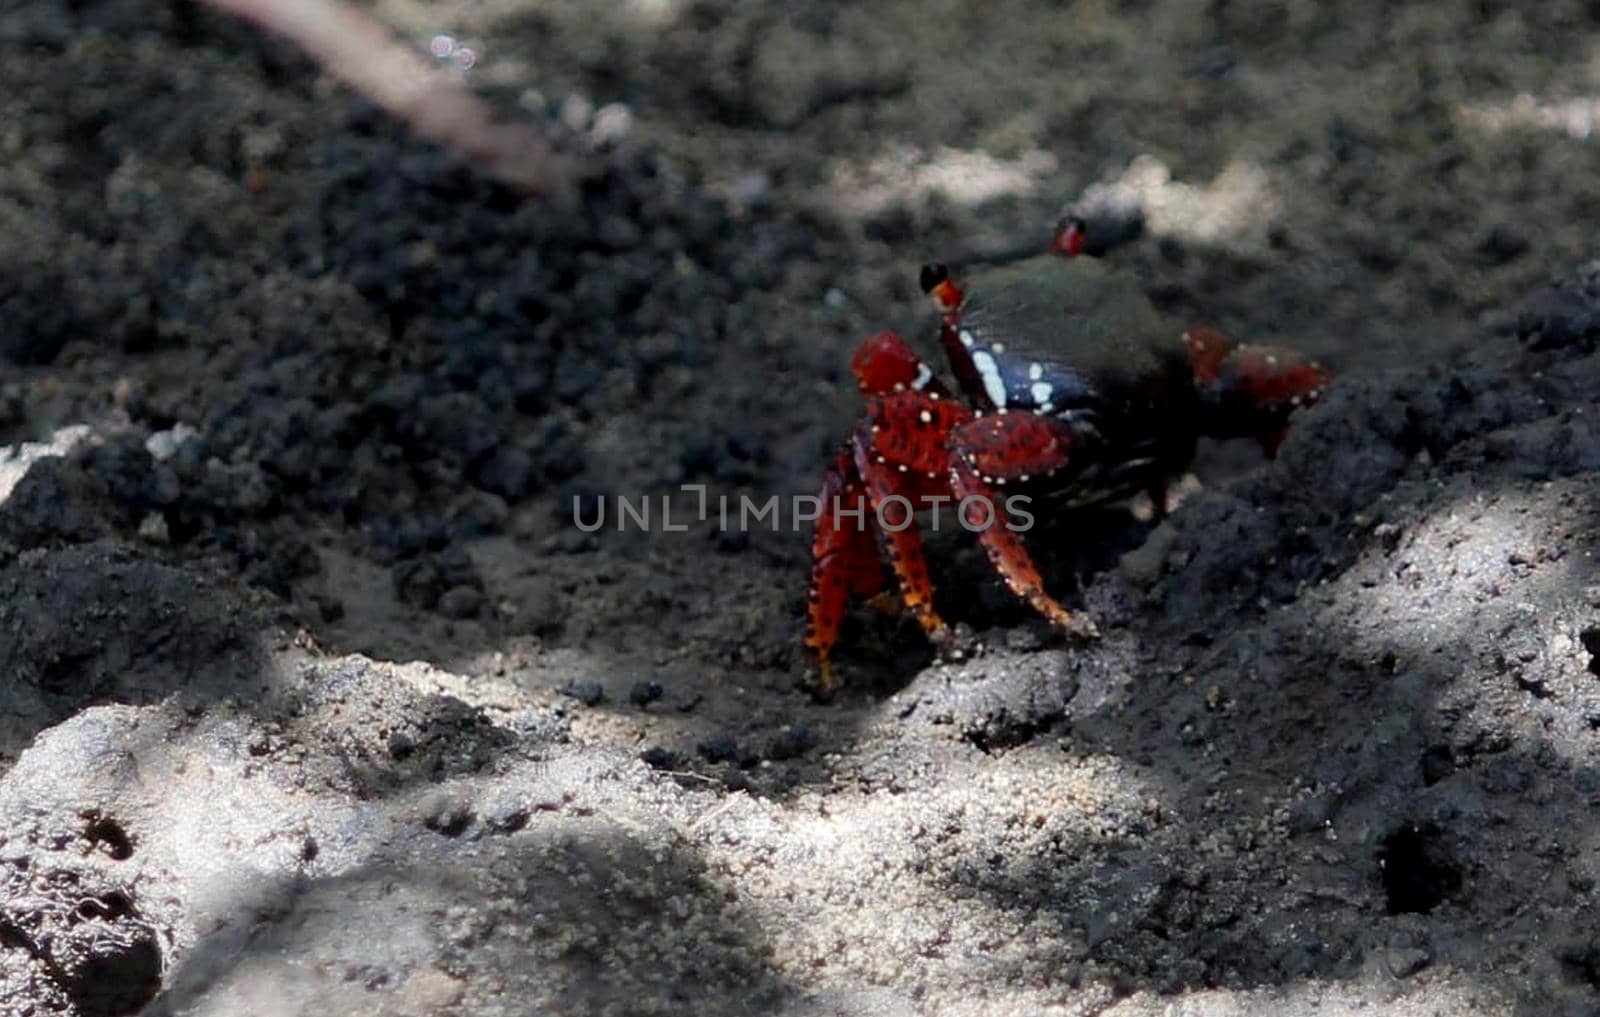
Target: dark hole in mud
{"points": [[13, 938], [119, 979], [1438, 762], [1580, 962], [107, 836], [1419, 871], [63, 674], [1590, 637]]}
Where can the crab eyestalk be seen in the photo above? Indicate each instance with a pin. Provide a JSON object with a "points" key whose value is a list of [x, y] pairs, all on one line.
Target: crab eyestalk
{"points": [[936, 283], [1070, 235]]}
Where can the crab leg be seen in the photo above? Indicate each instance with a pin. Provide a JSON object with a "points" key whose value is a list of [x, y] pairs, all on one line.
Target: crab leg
{"points": [[986, 453], [844, 560], [844, 554], [899, 451]]}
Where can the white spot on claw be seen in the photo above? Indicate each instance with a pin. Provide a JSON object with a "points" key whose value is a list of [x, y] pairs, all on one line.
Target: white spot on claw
{"points": [[925, 417], [1035, 371], [1041, 392], [998, 348], [924, 375], [966, 338]]}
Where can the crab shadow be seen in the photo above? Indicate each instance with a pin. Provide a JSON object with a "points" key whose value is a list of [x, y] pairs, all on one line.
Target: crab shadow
{"points": [[1367, 718], [1333, 804]]}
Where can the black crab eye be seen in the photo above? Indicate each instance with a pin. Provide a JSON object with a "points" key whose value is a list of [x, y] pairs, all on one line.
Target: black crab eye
{"points": [[932, 275]]}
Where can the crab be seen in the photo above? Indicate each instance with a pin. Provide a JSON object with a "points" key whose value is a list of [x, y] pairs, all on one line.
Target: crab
{"points": [[1069, 384]]}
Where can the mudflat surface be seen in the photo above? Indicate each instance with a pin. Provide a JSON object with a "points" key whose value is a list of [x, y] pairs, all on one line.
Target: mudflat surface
{"points": [[314, 701]]}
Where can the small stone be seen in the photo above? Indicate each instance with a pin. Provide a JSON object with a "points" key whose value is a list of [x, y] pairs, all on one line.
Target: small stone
{"points": [[644, 693], [1145, 564], [585, 690], [461, 602], [509, 473], [446, 812], [793, 740], [418, 583], [659, 757], [576, 112], [163, 445], [329, 609], [1405, 962], [719, 749], [507, 817], [612, 123], [153, 529], [1502, 244]]}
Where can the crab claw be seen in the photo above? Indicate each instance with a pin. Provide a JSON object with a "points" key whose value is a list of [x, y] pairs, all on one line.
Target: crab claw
{"points": [[1252, 390], [1274, 379], [1268, 383], [886, 363]]}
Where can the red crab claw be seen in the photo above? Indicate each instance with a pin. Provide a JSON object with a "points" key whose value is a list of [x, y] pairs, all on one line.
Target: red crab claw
{"points": [[886, 363], [1253, 389]]}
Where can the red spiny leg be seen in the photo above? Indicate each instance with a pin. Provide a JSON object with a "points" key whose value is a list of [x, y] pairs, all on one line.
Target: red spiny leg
{"points": [[844, 560], [900, 453], [986, 453]]}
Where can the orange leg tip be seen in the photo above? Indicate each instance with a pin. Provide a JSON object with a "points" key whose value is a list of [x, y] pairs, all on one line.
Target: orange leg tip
{"points": [[1077, 626], [825, 674], [885, 602]]}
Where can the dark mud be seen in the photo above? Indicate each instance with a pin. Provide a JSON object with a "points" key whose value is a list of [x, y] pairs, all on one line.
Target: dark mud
{"points": [[317, 702]]}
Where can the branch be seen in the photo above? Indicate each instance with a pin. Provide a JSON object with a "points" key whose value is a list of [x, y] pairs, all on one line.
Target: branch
{"points": [[357, 49]]}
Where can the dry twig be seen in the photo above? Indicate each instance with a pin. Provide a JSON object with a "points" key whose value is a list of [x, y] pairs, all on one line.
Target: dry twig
{"points": [[354, 47]]}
